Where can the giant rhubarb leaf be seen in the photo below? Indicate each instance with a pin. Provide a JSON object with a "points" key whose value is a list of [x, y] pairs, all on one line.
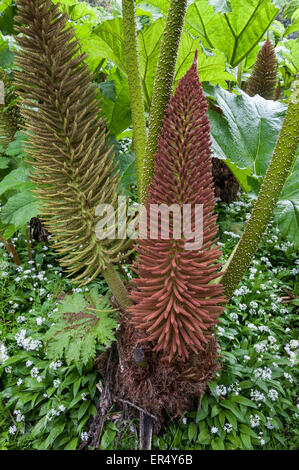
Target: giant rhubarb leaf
{"points": [[176, 304], [245, 132], [236, 32]]}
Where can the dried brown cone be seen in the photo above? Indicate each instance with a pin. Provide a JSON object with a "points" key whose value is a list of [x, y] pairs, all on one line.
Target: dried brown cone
{"points": [[176, 305], [263, 80], [72, 161]]}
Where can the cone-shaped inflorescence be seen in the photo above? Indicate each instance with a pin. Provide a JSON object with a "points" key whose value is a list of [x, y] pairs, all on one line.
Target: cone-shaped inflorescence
{"points": [[68, 149], [263, 80], [175, 304]]}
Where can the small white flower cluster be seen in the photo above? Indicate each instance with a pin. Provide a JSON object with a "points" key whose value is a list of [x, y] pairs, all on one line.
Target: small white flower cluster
{"points": [[288, 377], [214, 430], [56, 383], [231, 234], [78, 289], [262, 441], [243, 290], [274, 307], [257, 396], [3, 264], [234, 316], [39, 321], [29, 344], [266, 261], [21, 319], [254, 420], [227, 427], [253, 272], [55, 365], [3, 353], [272, 339], [293, 344], [221, 390], [253, 305], [264, 373], [286, 245], [260, 347], [273, 394], [234, 388], [19, 416], [52, 412], [84, 436], [220, 331], [34, 374], [268, 424], [12, 429]]}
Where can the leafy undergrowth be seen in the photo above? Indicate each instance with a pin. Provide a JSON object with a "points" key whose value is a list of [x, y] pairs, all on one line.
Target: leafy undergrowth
{"points": [[46, 403]]}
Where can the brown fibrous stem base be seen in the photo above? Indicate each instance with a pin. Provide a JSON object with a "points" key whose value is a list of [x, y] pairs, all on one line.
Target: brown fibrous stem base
{"points": [[153, 392]]}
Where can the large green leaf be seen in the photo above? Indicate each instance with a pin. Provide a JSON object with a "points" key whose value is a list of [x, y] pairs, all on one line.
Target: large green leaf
{"points": [[236, 32], [149, 41], [117, 111], [221, 6], [246, 132], [244, 136], [161, 5], [7, 19], [4, 4], [81, 322], [16, 179], [19, 209], [6, 58], [103, 42], [294, 27], [211, 64]]}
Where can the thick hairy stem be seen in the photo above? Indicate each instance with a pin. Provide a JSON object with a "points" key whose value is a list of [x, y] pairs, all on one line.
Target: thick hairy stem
{"points": [[277, 173], [163, 85], [135, 86], [117, 287], [239, 75]]}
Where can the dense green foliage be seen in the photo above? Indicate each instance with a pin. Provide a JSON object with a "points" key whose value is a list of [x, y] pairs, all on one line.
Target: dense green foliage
{"points": [[252, 401], [51, 331]]}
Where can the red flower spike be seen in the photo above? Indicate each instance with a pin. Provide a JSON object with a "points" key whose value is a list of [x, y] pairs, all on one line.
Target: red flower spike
{"points": [[175, 304]]}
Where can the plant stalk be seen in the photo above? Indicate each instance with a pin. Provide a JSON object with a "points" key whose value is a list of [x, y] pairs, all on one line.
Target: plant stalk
{"points": [[116, 286], [11, 250], [279, 168], [135, 86], [163, 85], [239, 75]]}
